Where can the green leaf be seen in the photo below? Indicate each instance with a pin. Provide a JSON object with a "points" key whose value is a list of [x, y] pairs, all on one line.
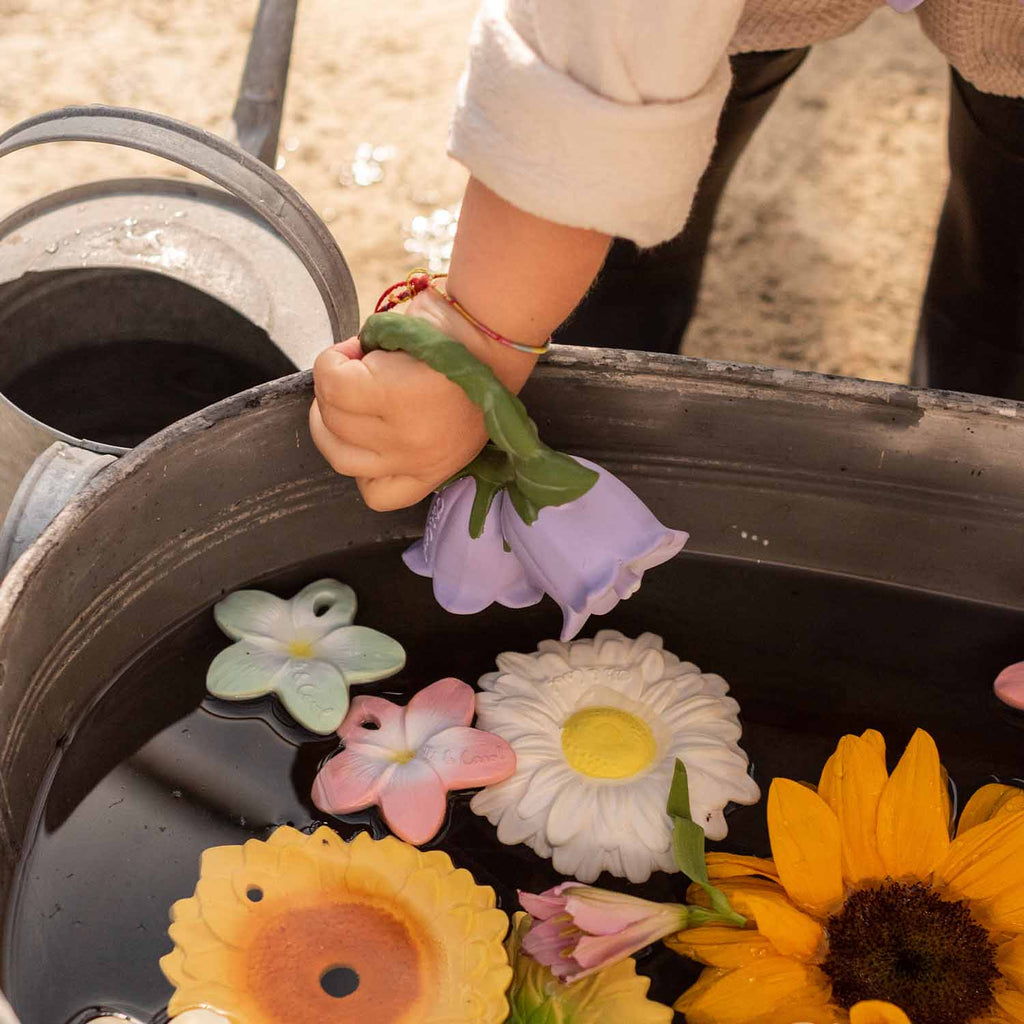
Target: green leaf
{"points": [[721, 905], [688, 849], [679, 793]]}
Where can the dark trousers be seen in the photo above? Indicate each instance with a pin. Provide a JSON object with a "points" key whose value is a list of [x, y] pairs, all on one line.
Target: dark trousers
{"points": [[971, 333]]}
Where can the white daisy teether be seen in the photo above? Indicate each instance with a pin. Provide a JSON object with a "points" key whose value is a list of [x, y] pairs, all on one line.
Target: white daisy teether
{"points": [[596, 726]]}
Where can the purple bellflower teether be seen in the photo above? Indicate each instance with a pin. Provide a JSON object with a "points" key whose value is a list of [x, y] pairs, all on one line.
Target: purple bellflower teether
{"points": [[522, 520], [588, 554]]}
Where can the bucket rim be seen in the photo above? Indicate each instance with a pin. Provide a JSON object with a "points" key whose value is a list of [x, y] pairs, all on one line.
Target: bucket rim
{"points": [[59, 435], [740, 380]]}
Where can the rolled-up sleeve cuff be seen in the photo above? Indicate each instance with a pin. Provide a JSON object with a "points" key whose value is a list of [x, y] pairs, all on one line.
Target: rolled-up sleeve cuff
{"points": [[554, 148]]}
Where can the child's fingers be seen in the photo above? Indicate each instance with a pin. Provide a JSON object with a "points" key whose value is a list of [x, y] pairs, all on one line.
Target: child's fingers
{"points": [[346, 384], [387, 493], [350, 347], [347, 459], [369, 432]]}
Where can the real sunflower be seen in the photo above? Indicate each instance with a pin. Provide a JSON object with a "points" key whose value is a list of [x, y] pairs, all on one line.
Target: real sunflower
{"points": [[311, 928], [868, 912]]}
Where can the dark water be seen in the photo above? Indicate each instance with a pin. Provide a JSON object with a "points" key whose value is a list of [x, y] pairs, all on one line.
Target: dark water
{"points": [[156, 773], [122, 392]]}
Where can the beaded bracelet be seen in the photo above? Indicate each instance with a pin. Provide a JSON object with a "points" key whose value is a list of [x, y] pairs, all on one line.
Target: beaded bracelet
{"points": [[419, 281]]}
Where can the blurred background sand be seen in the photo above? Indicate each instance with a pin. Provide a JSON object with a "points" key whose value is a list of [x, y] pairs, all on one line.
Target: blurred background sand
{"points": [[823, 240]]}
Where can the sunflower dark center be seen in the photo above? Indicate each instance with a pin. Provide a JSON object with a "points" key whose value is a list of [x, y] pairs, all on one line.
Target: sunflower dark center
{"points": [[907, 945]]}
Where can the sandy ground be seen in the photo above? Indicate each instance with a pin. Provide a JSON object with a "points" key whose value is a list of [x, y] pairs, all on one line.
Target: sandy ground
{"points": [[823, 239]]}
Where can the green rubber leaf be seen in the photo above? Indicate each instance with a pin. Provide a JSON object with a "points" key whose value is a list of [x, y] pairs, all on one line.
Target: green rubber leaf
{"points": [[491, 465], [534, 475], [486, 492], [492, 470], [525, 508], [554, 479]]}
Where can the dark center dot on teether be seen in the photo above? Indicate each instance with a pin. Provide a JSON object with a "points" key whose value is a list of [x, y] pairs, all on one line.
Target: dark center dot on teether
{"points": [[339, 981], [254, 893]]}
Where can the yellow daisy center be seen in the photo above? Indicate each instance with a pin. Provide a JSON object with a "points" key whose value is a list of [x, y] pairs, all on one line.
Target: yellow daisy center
{"points": [[300, 649], [607, 743]]}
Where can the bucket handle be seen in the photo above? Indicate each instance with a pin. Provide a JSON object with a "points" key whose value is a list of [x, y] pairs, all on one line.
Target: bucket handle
{"points": [[257, 113], [262, 189]]}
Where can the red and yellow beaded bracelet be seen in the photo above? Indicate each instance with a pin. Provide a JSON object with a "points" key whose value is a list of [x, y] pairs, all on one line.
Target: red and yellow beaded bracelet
{"points": [[420, 280]]}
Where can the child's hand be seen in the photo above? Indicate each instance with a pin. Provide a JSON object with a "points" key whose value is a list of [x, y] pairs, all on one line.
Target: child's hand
{"points": [[397, 426]]}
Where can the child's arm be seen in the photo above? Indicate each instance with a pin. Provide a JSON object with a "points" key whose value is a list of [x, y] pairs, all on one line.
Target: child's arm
{"points": [[396, 425], [594, 113]]}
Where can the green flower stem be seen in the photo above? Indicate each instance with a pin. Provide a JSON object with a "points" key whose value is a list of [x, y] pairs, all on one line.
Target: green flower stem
{"points": [[699, 916], [533, 474], [688, 848]]}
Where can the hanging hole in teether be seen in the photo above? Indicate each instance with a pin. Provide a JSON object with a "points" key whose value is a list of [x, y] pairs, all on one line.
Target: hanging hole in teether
{"points": [[321, 607], [370, 723]]}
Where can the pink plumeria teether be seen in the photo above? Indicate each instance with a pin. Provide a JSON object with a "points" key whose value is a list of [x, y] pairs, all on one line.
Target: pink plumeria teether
{"points": [[406, 759]]}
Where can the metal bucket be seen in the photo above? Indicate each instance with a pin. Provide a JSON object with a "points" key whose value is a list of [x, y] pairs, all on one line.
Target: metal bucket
{"points": [[920, 494], [126, 305]]}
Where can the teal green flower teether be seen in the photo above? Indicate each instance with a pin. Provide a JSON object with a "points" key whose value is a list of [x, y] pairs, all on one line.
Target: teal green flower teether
{"points": [[305, 650]]}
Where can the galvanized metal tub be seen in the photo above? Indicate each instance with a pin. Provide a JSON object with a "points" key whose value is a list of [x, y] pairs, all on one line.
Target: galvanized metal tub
{"points": [[919, 493]]}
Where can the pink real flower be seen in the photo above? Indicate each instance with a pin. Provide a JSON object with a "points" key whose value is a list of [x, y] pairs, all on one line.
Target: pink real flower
{"points": [[406, 759], [1009, 685], [579, 929]]}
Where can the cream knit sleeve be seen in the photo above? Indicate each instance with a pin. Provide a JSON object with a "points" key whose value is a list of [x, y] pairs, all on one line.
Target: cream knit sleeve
{"points": [[595, 113]]}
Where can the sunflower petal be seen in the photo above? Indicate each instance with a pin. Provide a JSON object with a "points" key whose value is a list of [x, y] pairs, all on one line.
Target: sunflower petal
{"points": [[947, 803], [1005, 911], [752, 991], [1010, 960], [734, 865], [791, 932], [738, 891], [804, 1012], [806, 846], [875, 739], [720, 946], [876, 1011], [987, 802], [851, 784], [1011, 1004], [913, 820], [986, 860]]}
